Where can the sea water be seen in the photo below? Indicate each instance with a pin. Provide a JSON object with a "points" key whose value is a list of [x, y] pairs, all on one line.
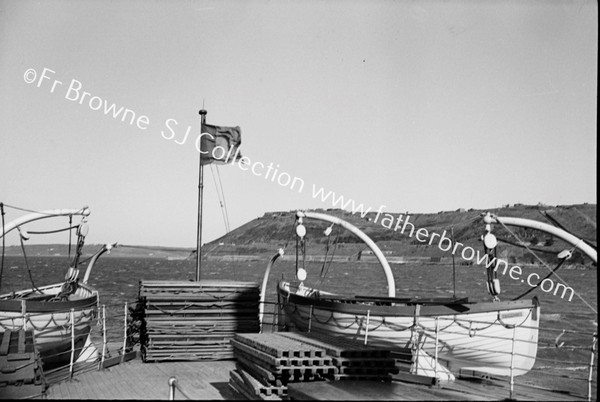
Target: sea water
{"points": [[117, 281]]}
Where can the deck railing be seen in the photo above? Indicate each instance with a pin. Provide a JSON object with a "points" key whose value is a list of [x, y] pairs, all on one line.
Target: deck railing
{"points": [[110, 340], [561, 352], [565, 360]]}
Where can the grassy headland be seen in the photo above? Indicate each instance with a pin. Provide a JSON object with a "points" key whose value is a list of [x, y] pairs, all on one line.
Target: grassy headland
{"points": [[263, 236]]}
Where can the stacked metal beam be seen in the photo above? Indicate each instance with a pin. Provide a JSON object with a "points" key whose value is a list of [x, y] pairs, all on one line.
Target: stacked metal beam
{"points": [[21, 374], [267, 363], [354, 359], [196, 320]]}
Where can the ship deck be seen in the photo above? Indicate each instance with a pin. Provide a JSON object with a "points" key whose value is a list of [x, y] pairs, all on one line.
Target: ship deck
{"points": [[209, 380], [138, 380]]}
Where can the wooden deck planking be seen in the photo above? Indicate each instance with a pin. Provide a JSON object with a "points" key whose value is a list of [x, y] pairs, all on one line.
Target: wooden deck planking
{"points": [[138, 380], [209, 381], [368, 390], [362, 390], [204, 380]]}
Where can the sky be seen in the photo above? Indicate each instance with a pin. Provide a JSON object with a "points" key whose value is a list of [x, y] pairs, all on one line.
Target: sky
{"points": [[407, 106]]}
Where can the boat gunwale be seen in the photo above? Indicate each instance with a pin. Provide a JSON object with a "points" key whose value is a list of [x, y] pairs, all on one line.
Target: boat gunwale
{"points": [[47, 307], [44, 306], [344, 304]]}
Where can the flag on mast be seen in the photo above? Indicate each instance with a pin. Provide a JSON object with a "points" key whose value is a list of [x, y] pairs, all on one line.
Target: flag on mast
{"points": [[220, 144]]}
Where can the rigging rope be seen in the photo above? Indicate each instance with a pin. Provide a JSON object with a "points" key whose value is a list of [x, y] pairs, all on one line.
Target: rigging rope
{"points": [[69, 228], [539, 250], [543, 263], [27, 264], [325, 258], [52, 231], [539, 283], [292, 235], [223, 193], [223, 211], [555, 222], [326, 266], [297, 250], [85, 260], [70, 234], [78, 250]]}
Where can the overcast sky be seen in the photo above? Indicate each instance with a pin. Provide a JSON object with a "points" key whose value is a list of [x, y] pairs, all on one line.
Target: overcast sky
{"points": [[416, 106]]}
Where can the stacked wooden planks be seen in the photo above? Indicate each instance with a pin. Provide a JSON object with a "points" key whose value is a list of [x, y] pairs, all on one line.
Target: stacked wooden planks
{"points": [[196, 320], [21, 374], [267, 363]]}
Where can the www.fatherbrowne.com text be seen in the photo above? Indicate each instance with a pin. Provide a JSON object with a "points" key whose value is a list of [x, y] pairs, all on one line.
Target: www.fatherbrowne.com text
{"points": [[74, 92]]}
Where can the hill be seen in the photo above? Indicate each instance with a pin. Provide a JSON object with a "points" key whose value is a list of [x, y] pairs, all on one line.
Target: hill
{"points": [[62, 250], [266, 234], [262, 237]]}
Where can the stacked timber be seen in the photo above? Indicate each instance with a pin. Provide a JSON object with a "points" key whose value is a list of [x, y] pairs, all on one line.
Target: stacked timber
{"points": [[195, 320], [268, 363], [21, 374]]}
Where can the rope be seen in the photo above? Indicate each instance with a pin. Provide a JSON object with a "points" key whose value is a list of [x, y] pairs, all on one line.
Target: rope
{"points": [[297, 250], [538, 284], [223, 192], [326, 266], [220, 202], [53, 231], [70, 234], [555, 222], [398, 328], [325, 258], [539, 250], [85, 260], [335, 245], [69, 228], [544, 264], [291, 236], [331, 318], [470, 327], [515, 325], [27, 264], [79, 316]]}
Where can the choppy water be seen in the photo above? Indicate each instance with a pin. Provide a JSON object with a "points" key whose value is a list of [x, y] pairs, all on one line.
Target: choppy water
{"points": [[117, 280]]}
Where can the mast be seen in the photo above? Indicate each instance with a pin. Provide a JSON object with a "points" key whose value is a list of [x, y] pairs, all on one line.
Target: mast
{"points": [[202, 113]]}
